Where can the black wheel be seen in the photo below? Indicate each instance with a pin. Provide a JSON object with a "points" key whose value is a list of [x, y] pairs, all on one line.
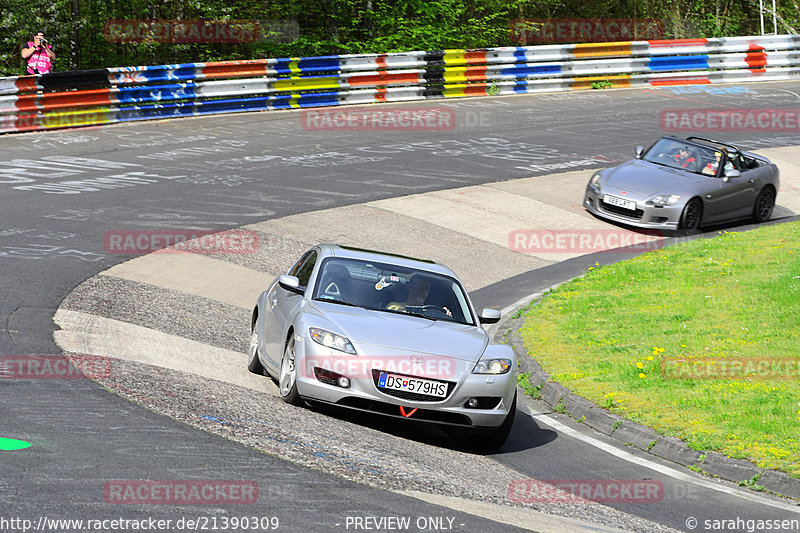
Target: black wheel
{"points": [[494, 439], [764, 204], [692, 215], [253, 364], [287, 381]]}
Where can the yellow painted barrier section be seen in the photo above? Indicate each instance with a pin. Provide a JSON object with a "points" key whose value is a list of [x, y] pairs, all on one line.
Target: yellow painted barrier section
{"points": [[83, 117], [455, 74], [460, 90], [617, 82], [584, 50], [306, 84], [454, 57]]}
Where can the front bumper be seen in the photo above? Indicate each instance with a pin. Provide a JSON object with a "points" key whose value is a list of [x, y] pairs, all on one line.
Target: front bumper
{"points": [[496, 392], [645, 216]]}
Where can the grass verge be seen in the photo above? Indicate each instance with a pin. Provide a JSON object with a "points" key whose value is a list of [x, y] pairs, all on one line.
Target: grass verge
{"points": [[700, 340]]}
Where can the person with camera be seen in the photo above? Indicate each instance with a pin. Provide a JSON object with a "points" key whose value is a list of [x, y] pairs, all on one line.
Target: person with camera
{"points": [[39, 54]]}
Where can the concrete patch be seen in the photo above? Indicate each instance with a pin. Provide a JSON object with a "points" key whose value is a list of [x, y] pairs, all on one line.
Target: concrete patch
{"points": [[638, 435], [488, 214], [719, 465], [676, 451], [82, 333], [787, 159], [374, 228], [197, 274], [780, 483], [564, 191]]}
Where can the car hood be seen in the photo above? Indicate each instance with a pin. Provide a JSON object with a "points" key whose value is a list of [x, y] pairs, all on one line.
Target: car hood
{"points": [[385, 333], [642, 177]]}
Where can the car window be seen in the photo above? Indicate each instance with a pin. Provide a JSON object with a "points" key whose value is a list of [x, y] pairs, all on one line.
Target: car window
{"points": [[683, 155], [302, 270], [392, 288]]}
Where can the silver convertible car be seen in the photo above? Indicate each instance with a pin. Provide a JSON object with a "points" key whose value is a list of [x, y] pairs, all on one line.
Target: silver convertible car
{"points": [[682, 184], [385, 334]]}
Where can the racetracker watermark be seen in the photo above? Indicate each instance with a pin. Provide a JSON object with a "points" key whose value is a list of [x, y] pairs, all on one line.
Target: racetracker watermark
{"points": [[181, 492], [737, 368], [382, 119], [71, 119], [365, 366], [527, 31], [730, 120], [200, 31], [133, 242], [585, 491], [54, 367], [583, 241]]}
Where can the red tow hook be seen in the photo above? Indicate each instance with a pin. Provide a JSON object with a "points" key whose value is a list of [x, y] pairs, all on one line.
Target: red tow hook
{"points": [[408, 414]]}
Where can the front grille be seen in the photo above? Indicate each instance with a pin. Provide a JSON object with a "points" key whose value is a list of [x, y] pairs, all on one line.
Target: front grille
{"points": [[410, 396], [622, 211], [427, 415]]}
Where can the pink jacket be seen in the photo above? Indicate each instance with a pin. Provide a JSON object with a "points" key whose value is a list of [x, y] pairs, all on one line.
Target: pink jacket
{"points": [[39, 61]]}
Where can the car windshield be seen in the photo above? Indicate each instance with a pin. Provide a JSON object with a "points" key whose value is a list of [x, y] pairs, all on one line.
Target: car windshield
{"points": [[685, 156], [392, 289]]}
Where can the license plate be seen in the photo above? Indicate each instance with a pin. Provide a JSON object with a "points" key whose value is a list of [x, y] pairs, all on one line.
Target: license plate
{"points": [[620, 202], [426, 387]]}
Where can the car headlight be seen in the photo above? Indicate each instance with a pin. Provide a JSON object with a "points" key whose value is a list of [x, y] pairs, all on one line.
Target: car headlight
{"points": [[492, 366], [331, 340], [596, 181], [662, 199]]}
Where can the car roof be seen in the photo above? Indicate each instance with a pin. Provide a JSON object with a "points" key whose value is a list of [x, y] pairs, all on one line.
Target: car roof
{"points": [[349, 252]]}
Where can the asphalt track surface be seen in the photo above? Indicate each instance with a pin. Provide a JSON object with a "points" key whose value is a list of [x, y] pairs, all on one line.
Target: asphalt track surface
{"points": [[220, 172]]}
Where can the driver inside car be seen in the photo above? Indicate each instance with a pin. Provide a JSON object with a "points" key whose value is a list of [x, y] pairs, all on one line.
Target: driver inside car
{"points": [[685, 157], [419, 289]]}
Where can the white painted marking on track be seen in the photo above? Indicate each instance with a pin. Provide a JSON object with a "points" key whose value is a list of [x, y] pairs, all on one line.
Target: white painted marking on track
{"points": [[662, 469]]}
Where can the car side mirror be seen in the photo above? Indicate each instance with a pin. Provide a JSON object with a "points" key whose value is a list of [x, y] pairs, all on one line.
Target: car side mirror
{"points": [[291, 284], [639, 152], [489, 316], [731, 174]]}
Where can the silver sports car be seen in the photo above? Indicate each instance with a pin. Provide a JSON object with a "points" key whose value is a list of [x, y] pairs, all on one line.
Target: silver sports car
{"points": [[684, 184], [385, 334]]}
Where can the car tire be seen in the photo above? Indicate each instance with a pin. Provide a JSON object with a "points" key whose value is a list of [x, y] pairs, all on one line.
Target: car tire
{"points": [[253, 363], [692, 215], [483, 440], [764, 204], [287, 377]]}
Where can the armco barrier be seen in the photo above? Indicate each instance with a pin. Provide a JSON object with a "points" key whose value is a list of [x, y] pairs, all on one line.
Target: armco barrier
{"points": [[104, 96]]}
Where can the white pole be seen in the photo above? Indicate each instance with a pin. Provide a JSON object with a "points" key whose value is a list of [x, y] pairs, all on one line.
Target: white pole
{"points": [[774, 19], [761, 14]]}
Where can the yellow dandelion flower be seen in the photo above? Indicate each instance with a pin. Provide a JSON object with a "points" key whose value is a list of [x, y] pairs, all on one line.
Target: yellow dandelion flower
{"points": [[649, 357], [642, 375], [639, 365]]}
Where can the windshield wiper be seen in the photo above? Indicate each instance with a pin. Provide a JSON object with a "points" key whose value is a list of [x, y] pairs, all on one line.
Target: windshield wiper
{"points": [[340, 302], [407, 313]]}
